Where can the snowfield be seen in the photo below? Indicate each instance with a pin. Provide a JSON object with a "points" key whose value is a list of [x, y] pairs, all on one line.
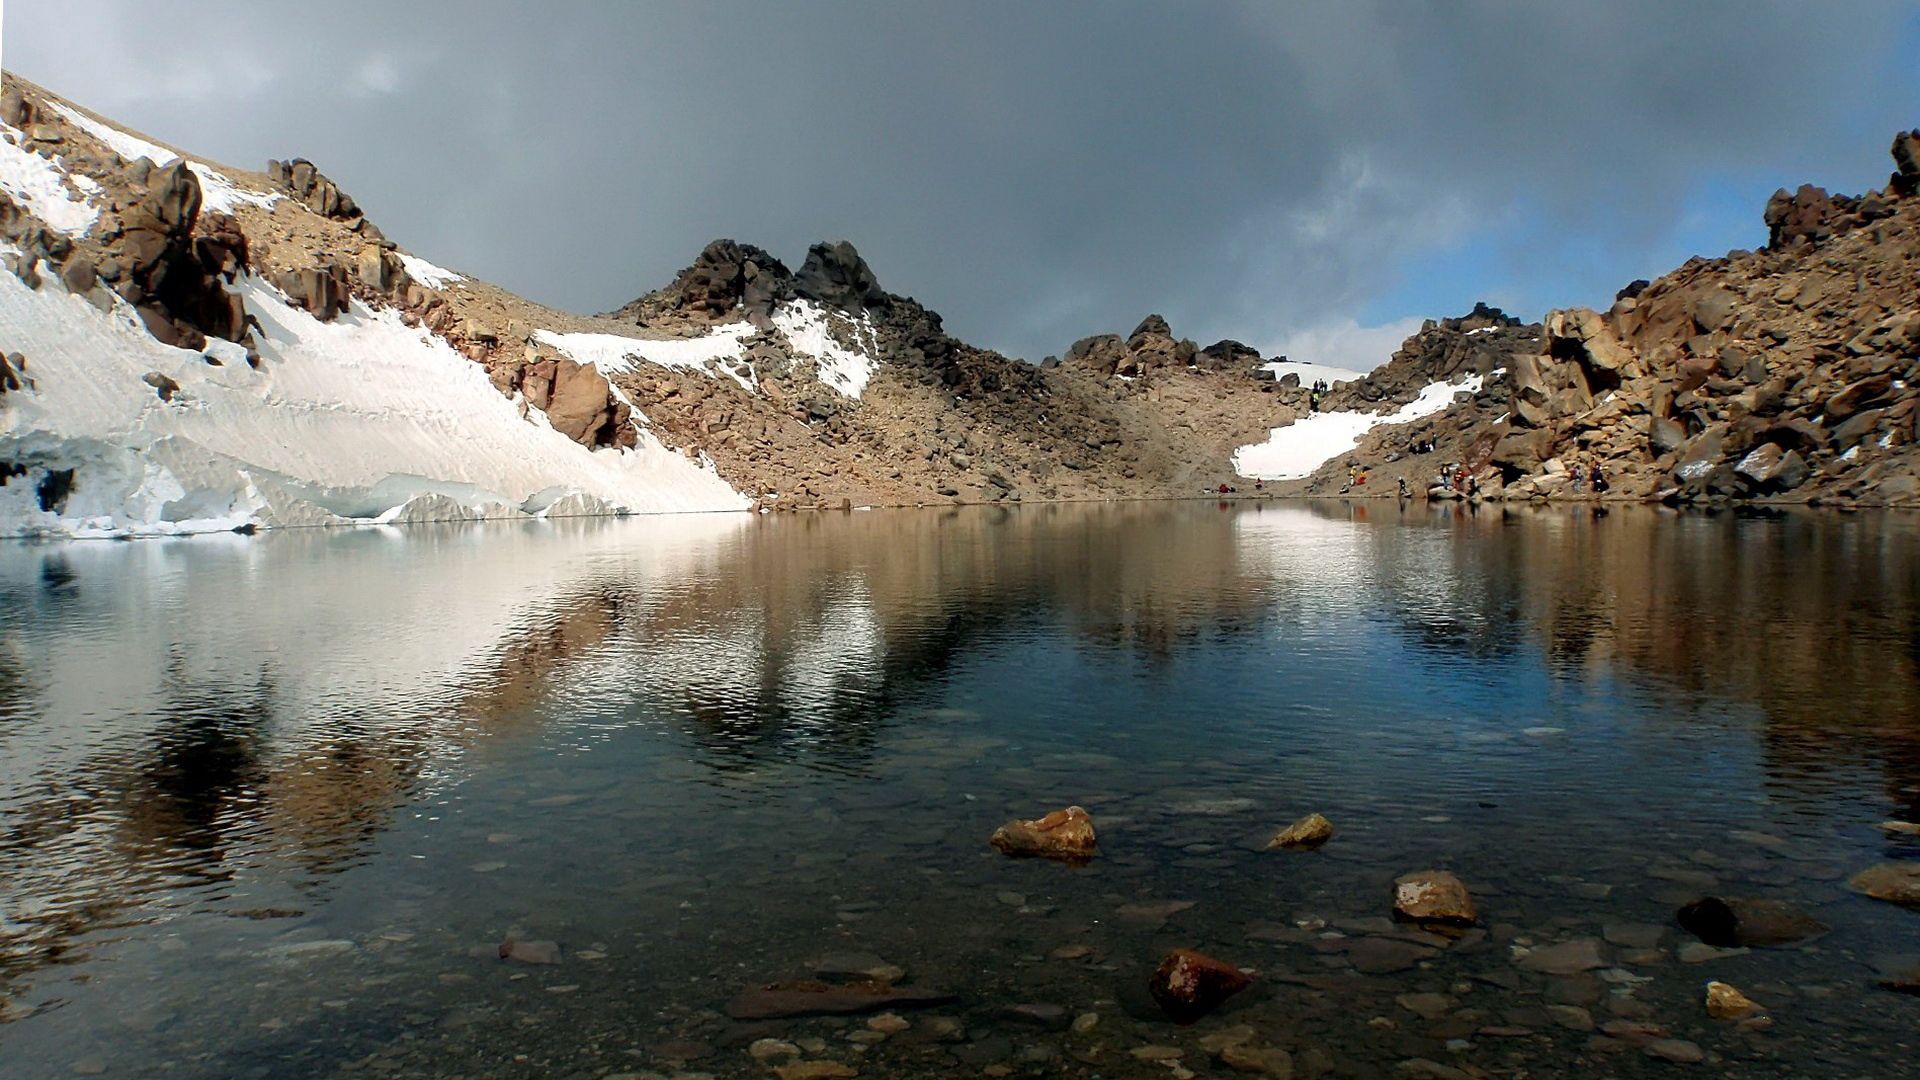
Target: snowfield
{"points": [[41, 186], [427, 274], [359, 420], [218, 194], [1294, 452], [805, 324]]}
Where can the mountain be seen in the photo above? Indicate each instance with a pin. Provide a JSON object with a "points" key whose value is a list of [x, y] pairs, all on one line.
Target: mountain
{"points": [[189, 347], [193, 347], [1787, 374]]}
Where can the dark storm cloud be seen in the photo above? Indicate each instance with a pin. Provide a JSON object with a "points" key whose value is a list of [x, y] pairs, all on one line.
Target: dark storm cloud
{"points": [[1034, 171]]}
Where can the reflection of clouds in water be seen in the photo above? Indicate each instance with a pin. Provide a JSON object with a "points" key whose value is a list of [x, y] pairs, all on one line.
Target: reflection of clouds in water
{"points": [[198, 708]]}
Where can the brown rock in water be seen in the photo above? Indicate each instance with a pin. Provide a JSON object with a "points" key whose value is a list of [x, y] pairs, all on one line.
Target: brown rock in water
{"points": [[1307, 833], [1189, 985], [1737, 922], [1433, 896], [1724, 1002], [1064, 834], [1896, 883], [530, 952], [1900, 828], [808, 998]]}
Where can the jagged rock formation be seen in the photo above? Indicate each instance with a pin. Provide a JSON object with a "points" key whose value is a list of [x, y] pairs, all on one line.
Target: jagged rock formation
{"points": [[1784, 374]]}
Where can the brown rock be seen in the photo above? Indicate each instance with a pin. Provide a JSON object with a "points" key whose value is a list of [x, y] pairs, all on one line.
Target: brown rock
{"points": [[1189, 984], [808, 998], [1565, 958], [1896, 883], [1433, 896], [1064, 834], [1737, 922], [1724, 1002], [1307, 833]]}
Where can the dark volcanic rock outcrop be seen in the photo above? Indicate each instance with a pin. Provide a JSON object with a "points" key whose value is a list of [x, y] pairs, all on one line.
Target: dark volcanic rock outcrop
{"points": [[725, 277]]}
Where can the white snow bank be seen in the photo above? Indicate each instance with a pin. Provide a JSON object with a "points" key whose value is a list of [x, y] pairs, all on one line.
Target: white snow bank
{"points": [[221, 195], [1293, 452], [131, 147], [40, 186], [806, 325], [1311, 373], [346, 421], [218, 193], [614, 353], [424, 272], [719, 350]]}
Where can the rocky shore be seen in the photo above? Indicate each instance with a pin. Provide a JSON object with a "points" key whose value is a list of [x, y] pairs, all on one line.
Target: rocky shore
{"points": [[1790, 374]]}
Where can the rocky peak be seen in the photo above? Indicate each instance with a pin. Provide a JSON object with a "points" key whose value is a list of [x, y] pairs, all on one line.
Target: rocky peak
{"points": [[726, 275], [302, 180], [835, 275], [1906, 163], [1151, 346]]}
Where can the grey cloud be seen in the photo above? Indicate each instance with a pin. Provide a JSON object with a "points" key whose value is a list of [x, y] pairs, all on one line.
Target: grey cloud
{"points": [[1036, 172]]}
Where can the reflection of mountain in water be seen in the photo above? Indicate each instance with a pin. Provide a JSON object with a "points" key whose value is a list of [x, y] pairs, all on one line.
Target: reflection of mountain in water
{"points": [[256, 711], [1812, 618]]}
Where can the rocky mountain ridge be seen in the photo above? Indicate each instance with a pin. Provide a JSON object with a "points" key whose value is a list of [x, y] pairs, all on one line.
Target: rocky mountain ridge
{"points": [[1786, 374], [1778, 374]]}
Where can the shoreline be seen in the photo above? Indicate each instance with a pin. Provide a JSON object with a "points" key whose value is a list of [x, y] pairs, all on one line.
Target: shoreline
{"points": [[1596, 501]]}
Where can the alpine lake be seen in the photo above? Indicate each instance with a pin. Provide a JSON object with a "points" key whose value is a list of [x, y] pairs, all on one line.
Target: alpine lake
{"points": [[563, 799]]}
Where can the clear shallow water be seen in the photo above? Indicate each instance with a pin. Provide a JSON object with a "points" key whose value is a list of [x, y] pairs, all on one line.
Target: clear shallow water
{"points": [[268, 805]]}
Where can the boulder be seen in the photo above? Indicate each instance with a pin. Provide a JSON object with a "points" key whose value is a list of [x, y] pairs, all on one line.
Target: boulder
{"points": [[1804, 215], [1585, 336], [1565, 958], [1739, 922], [1309, 832], [835, 275], [1063, 834], [1859, 395], [1771, 467], [1188, 984], [1896, 883], [1906, 163], [1715, 309], [1724, 1002], [1433, 897]]}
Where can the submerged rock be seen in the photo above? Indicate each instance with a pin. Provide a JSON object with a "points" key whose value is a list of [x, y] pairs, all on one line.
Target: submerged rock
{"points": [[1896, 883], [1188, 984], [1566, 958], [1434, 897], [1725, 1002], [530, 952], [807, 998], [1307, 833], [1738, 922], [1064, 834]]}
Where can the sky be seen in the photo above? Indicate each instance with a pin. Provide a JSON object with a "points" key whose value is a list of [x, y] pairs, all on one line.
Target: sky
{"points": [[1310, 178]]}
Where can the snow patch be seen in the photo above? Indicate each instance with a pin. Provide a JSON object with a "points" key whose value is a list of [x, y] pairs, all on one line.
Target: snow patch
{"points": [[424, 272], [615, 353], [40, 185], [1294, 452], [220, 195], [1311, 373], [807, 328], [353, 420], [131, 147]]}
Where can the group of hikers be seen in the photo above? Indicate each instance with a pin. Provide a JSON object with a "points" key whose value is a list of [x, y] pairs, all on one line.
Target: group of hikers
{"points": [[1314, 393]]}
